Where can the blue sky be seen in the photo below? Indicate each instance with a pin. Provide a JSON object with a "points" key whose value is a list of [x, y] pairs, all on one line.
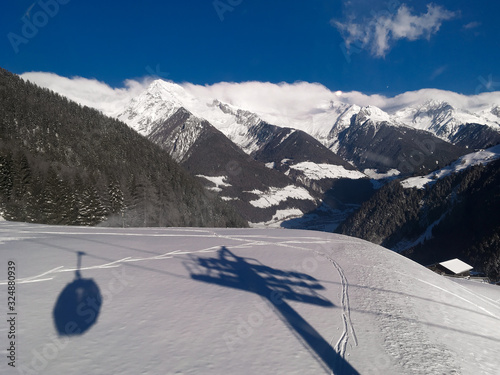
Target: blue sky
{"points": [[385, 47]]}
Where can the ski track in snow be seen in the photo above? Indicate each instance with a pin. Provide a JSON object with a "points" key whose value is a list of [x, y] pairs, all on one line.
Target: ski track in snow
{"points": [[341, 345]]}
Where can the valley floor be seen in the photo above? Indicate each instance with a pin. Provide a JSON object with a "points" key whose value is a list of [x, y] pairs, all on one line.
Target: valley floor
{"points": [[227, 301]]}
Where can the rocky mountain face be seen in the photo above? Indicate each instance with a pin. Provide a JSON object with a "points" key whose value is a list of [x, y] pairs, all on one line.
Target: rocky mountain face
{"points": [[258, 193]]}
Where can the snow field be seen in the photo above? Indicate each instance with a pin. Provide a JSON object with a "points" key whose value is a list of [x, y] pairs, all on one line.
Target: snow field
{"points": [[220, 301]]}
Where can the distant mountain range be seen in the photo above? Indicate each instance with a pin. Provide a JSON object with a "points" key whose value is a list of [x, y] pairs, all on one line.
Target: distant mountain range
{"points": [[294, 169]]}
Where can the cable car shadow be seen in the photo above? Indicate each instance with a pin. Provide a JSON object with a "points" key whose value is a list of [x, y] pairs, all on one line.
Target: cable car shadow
{"points": [[78, 305], [277, 287]]}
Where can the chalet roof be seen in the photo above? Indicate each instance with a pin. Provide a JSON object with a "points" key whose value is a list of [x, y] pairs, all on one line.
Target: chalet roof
{"points": [[456, 266]]}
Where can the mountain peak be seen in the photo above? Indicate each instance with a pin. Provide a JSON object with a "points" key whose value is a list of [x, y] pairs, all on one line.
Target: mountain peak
{"points": [[373, 113], [160, 100]]}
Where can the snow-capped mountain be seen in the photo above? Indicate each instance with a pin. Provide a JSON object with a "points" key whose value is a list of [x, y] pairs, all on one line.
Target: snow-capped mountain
{"points": [[350, 130], [311, 152], [267, 172], [444, 120], [480, 157], [258, 193], [162, 99]]}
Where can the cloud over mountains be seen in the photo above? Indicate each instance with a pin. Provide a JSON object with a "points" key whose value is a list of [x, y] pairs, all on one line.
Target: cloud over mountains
{"points": [[271, 101]]}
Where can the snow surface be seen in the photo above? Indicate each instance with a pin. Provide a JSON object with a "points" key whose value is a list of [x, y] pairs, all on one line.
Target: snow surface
{"points": [[464, 162], [161, 99], [217, 180], [442, 119], [241, 301], [275, 195], [278, 218], [376, 175], [320, 171]]}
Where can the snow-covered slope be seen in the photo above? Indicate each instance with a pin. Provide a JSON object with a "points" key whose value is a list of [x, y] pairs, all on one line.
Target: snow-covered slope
{"points": [[466, 161], [162, 99], [442, 119], [200, 301]]}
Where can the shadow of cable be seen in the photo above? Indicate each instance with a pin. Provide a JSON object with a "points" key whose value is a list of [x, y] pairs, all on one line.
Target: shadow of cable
{"points": [[276, 286], [78, 305]]}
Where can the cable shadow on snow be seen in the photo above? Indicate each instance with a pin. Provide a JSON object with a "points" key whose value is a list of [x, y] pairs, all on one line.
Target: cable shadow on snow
{"points": [[78, 305], [275, 286]]}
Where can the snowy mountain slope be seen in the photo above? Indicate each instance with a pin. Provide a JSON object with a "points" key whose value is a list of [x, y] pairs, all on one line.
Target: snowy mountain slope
{"points": [[251, 301], [330, 123], [162, 99], [178, 134], [383, 145], [227, 152], [464, 162], [442, 119], [224, 168]]}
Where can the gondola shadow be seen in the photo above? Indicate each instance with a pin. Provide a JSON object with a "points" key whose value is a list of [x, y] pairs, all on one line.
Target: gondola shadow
{"points": [[78, 305]]}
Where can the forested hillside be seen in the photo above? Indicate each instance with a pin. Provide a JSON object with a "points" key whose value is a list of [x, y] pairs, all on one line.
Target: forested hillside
{"points": [[61, 163], [455, 217]]}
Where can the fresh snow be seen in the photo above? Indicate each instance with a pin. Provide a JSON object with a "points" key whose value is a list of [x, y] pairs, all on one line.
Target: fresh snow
{"points": [[464, 162], [162, 99], [218, 181], [229, 198], [442, 119], [278, 218], [241, 301], [376, 175], [315, 171], [274, 195]]}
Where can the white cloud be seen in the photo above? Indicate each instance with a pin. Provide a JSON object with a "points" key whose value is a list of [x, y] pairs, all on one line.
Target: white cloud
{"points": [[285, 104], [379, 32], [472, 25], [438, 71], [89, 92]]}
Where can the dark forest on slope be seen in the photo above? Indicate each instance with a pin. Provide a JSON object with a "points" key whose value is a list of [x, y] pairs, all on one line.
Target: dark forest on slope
{"points": [[62, 163], [462, 210]]}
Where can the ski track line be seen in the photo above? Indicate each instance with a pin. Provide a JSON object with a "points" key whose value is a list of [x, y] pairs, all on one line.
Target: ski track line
{"points": [[33, 278], [341, 345], [460, 297], [116, 263], [480, 296]]}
